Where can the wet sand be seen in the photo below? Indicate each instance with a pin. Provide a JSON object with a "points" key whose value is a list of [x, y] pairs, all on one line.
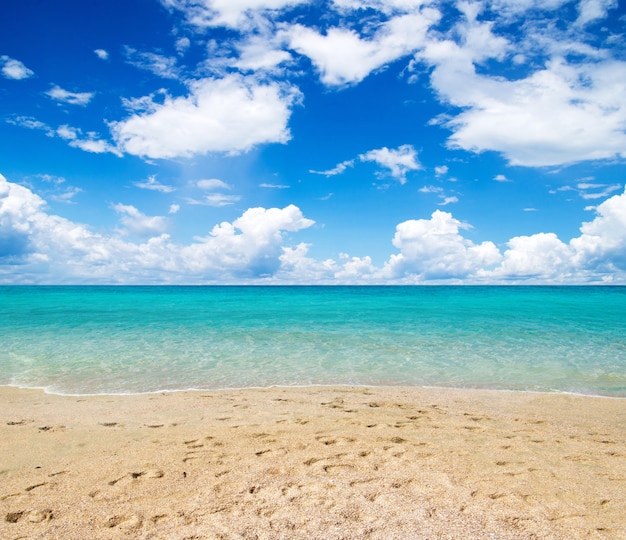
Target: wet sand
{"points": [[309, 463]]}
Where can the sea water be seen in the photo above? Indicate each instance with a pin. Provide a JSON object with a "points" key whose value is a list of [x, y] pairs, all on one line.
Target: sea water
{"points": [[91, 340]]}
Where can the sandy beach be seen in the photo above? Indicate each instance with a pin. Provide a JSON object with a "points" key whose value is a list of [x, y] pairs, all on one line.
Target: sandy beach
{"points": [[327, 463]]}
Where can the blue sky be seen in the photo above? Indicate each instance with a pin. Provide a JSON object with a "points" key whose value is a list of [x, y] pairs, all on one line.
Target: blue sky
{"points": [[295, 141]]}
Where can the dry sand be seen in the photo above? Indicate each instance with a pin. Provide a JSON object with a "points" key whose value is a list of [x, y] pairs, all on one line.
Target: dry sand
{"points": [[327, 463]]}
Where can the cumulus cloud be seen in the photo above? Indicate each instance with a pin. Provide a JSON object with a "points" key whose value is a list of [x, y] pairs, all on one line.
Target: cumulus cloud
{"points": [[41, 247], [398, 162], [14, 69], [601, 247], [342, 56], [562, 112], [540, 256], [261, 53], [232, 114], [38, 246], [251, 245], [72, 98], [598, 254], [434, 248]]}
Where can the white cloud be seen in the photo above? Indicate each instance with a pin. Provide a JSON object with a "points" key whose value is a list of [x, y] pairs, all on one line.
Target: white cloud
{"points": [[215, 199], [602, 244], [138, 223], [232, 114], [501, 178], [343, 57], [14, 69], [430, 189], [441, 171], [599, 252], [152, 184], [39, 247], [212, 183], [32, 123], [174, 208], [260, 53], [399, 161], [66, 196], [338, 169], [89, 142], [509, 8], [160, 65], [230, 13], [589, 190], [274, 186], [562, 112], [448, 200], [439, 191], [36, 246], [559, 115], [540, 256], [250, 246], [220, 199], [182, 44], [596, 191], [102, 54], [592, 10], [386, 6], [434, 249], [72, 98]]}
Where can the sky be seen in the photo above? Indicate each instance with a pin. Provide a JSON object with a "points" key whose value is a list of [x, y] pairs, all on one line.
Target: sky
{"points": [[313, 142]]}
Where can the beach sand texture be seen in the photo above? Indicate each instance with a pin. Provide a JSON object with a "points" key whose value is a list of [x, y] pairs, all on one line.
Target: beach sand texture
{"points": [[327, 463]]}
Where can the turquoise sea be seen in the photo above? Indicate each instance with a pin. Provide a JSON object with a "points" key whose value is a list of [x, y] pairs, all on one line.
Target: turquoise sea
{"points": [[91, 340]]}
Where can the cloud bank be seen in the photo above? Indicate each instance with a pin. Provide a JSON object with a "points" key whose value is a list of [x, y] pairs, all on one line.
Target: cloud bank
{"points": [[39, 247]]}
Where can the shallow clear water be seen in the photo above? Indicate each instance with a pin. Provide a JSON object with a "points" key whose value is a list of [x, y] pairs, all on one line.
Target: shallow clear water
{"points": [[87, 340]]}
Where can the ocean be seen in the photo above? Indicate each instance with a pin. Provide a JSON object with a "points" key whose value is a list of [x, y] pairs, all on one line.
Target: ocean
{"points": [[119, 340]]}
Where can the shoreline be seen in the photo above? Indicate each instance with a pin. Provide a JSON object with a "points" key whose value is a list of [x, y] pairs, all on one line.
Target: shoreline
{"points": [[313, 462], [45, 390]]}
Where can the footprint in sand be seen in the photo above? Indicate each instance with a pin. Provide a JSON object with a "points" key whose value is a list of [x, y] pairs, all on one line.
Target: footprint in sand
{"points": [[33, 516], [150, 473], [34, 486], [51, 428], [133, 521], [19, 422]]}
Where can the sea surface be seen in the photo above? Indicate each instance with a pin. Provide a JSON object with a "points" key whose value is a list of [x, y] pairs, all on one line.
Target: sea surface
{"points": [[118, 340]]}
